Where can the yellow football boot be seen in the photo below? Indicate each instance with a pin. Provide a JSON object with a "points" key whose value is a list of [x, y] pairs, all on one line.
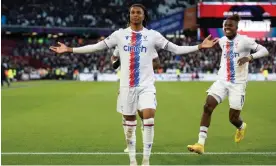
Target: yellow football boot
{"points": [[240, 134], [197, 148]]}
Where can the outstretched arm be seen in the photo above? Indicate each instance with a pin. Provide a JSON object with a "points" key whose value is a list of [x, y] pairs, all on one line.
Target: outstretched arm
{"points": [[62, 48], [109, 42], [163, 43], [90, 48], [207, 43]]}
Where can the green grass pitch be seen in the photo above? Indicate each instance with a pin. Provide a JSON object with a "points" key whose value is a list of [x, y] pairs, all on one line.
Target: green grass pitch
{"points": [[53, 116]]}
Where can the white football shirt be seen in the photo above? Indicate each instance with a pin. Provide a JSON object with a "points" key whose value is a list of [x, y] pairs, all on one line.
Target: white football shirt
{"points": [[136, 51], [232, 51], [116, 53]]}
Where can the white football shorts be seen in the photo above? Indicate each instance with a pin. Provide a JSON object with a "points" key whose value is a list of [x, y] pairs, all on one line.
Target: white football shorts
{"points": [[235, 92], [136, 98]]}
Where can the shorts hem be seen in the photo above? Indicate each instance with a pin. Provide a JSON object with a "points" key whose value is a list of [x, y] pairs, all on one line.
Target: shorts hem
{"points": [[217, 97]]}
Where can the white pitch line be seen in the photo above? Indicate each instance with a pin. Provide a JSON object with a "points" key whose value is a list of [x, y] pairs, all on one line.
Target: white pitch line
{"points": [[121, 153]]}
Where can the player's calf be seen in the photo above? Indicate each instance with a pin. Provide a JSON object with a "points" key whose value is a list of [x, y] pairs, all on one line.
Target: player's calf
{"points": [[148, 134], [234, 118], [206, 119], [141, 123], [210, 105], [208, 108], [130, 134]]}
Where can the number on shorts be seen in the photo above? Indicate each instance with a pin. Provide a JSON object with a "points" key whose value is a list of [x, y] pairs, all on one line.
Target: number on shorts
{"points": [[242, 100]]}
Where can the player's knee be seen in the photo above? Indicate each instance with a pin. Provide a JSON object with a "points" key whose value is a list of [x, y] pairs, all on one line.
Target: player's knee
{"points": [[208, 108], [148, 113], [129, 117]]}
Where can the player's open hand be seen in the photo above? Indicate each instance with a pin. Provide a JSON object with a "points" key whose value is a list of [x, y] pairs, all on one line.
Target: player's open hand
{"points": [[208, 42], [244, 60], [62, 48]]}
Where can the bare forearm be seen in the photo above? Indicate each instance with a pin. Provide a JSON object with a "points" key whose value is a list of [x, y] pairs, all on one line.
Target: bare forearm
{"points": [[114, 58], [116, 64], [155, 63]]}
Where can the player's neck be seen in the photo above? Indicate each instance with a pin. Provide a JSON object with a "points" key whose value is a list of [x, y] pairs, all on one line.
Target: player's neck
{"points": [[232, 37], [136, 27]]}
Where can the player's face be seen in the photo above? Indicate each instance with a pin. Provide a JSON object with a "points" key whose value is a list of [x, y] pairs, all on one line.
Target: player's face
{"points": [[136, 15], [230, 28]]}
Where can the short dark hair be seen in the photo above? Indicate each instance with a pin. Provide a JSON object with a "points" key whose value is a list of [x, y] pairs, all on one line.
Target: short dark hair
{"points": [[145, 21], [234, 17]]}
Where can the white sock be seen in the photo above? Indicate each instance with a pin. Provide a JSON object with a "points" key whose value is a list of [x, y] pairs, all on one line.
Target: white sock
{"points": [[202, 135], [130, 134], [148, 137], [242, 126], [124, 125]]}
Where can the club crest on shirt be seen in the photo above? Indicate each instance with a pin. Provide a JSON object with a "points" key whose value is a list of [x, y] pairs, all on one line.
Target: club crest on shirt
{"points": [[145, 38], [236, 45]]}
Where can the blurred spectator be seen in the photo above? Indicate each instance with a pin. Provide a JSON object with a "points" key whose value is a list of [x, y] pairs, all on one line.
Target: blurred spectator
{"points": [[205, 61], [82, 13]]}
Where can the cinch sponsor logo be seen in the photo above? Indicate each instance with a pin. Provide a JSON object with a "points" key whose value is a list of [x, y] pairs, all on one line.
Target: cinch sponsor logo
{"points": [[234, 54], [135, 48]]}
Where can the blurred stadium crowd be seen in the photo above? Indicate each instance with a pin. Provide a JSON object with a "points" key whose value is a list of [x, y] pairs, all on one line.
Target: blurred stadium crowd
{"points": [[82, 13], [33, 53], [29, 53]]}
